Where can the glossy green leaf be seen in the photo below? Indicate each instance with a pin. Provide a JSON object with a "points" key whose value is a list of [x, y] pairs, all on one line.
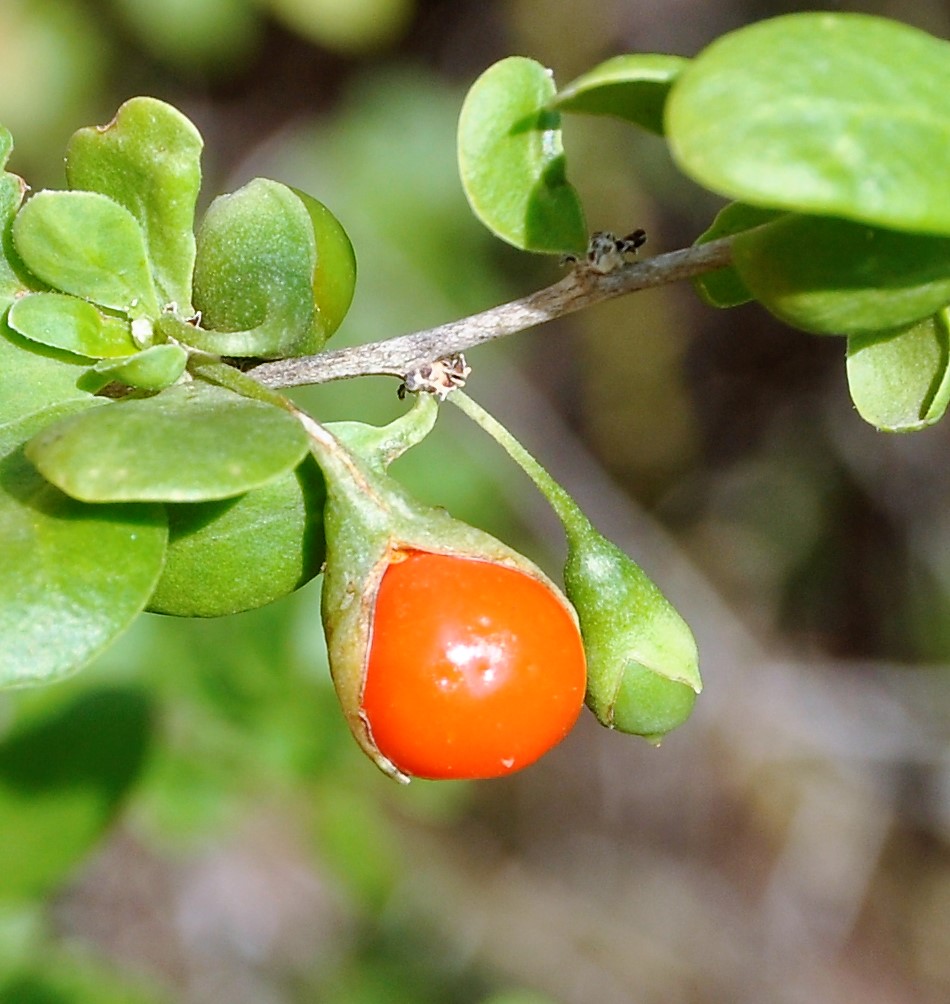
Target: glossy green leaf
{"points": [[34, 377], [86, 244], [190, 443], [244, 552], [633, 87], [834, 277], [148, 159], [258, 256], [511, 160], [62, 778], [900, 380], [724, 288], [75, 575], [154, 368], [838, 114], [66, 322]]}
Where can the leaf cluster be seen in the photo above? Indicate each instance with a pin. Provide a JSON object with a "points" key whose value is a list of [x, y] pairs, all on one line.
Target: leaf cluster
{"points": [[130, 477], [829, 132]]}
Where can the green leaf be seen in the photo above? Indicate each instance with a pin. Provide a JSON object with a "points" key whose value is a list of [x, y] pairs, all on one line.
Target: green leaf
{"points": [[190, 443], [66, 322], [148, 159], [34, 377], [244, 552], [724, 288], [511, 160], [632, 87], [85, 244], [838, 114], [63, 776], [900, 380], [259, 283], [76, 575], [834, 277], [12, 190], [334, 276], [154, 368]]}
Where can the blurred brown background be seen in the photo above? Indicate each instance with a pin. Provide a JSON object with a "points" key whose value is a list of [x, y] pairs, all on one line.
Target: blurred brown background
{"points": [[789, 844]]}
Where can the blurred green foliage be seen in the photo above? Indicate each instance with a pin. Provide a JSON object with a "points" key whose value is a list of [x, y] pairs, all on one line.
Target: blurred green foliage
{"points": [[186, 732]]}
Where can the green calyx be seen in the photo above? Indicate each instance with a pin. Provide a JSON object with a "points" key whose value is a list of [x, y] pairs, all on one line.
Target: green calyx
{"points": [[642, 661], [369, 518]]}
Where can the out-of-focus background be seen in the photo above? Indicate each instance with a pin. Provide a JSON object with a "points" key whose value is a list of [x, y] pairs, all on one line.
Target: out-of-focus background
{"points": [[789, 844]]}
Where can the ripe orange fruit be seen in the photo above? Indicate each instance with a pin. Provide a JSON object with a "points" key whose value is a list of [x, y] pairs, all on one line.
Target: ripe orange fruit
{"points": [[475, 668]]}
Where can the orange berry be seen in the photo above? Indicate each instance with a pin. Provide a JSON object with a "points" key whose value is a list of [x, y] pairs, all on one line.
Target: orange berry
{"points": [[475, 668]]}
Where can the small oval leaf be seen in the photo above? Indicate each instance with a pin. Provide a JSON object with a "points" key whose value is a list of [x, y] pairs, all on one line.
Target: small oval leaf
{"points": [[154, 368], [148, 159], [85, 244], [66, 322], [240, 553], [831, 276], [633, 87], [190, 443], [825, 113], [900, 380], [256, 270], [511, 160], [82, 573]]}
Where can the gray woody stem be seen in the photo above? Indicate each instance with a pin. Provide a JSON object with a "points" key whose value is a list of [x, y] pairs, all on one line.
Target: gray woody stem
{"points": [[581, 288]]}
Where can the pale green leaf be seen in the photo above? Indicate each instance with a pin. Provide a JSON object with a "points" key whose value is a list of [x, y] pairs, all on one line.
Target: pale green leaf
{"points": [[75, 575], [511, 159], [190, 443], [260, 282], [900, 380], [239, 553], [633, 87], [826, 113], [835, 277], [148, 159], [86, 244], [724, 288], [154, 368], [74, 325]]}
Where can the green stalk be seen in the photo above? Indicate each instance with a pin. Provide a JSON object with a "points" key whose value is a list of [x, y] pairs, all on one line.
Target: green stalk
{"points": [[214, 371], [572, 518]]}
